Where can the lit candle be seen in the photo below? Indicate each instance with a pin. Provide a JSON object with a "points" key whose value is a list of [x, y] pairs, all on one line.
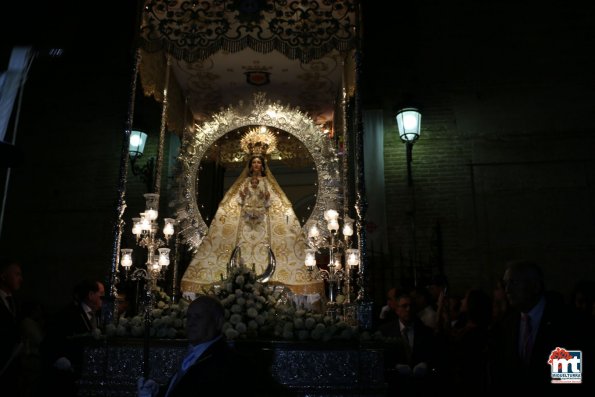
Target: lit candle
{"points": [[145, 222], [137, 229], [333, 225], [168, 229], [348, 229], [310, 260], [163, 257], [151, 214], [126, 257], [331, 215], [352, 257]]}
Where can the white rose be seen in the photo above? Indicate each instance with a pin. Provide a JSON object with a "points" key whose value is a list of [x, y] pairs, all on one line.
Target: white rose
{"points": [[121, 330], [310, 323], [317, 333], [171, 333], [235, 319], [231, 333], [137, 331], [298, 323], [110, 330], [241, 328], [252, 312]]}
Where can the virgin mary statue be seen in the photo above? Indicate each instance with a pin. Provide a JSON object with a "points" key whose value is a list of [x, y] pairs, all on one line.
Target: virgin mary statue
{"points": [[255, 225]]}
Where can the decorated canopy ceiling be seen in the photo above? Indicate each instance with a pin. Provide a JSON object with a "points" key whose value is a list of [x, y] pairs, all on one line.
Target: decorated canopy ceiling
{"points": [[299, 53]]}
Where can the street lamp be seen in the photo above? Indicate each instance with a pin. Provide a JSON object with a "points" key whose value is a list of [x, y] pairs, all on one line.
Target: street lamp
{"points": [[409, 125], [136, 147]]}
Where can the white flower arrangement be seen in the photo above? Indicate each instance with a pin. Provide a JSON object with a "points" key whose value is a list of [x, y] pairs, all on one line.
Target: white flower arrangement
{"points": [[253, 310], [168, 320]]}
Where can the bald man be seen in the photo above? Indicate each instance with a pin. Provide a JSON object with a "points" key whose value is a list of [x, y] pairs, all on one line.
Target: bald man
{"points": [[210, 363]]}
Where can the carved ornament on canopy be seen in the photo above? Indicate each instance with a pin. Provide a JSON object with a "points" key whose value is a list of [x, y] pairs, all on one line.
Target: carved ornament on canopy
{"points": [[194, 30]]}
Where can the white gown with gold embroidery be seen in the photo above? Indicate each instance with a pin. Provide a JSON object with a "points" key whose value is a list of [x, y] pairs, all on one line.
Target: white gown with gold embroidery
{"points": [[255, 220]]}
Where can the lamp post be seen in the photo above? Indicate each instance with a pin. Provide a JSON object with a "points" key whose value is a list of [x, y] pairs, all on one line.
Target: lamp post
{"points": [[409, 125]]}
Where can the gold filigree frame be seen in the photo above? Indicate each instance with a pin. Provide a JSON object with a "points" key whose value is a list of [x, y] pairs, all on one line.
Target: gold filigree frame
{"points": [[259, 111]]}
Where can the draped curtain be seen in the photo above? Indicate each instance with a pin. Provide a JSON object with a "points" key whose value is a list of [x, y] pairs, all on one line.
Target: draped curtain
{"points": [[374, 179]]}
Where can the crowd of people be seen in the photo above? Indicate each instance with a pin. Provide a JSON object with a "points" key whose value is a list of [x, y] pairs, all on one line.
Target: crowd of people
{"points": [[41, 353], [486, 343], [435, 340]]}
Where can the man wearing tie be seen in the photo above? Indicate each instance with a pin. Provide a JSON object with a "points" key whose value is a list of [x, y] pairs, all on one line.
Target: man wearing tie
{"points": [[11, 279], [410, 359], [538, 324]]}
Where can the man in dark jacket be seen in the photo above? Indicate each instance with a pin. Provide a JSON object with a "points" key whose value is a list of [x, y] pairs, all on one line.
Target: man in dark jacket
{"points": [[538, 324], [210, 363], [410, 357], [10, 336], [68, 332]]}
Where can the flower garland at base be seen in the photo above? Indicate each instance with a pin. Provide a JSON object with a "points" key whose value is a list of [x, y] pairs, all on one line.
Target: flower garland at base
{"points": [[253, 310], [168, 320]]}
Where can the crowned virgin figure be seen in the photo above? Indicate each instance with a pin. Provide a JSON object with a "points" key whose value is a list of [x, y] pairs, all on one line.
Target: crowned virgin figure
{"points": [[254, 225]]}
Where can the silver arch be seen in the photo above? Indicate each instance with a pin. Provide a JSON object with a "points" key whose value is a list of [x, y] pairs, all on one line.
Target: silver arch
{"points": [[260, 111]]}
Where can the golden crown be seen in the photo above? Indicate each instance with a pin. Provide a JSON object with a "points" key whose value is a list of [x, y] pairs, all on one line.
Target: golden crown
{"points": [[258, 141]]}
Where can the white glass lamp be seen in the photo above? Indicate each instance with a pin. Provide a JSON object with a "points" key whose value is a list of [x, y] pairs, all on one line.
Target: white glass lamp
{"points": [[313, 231], [168, 228], [330, 215], [126, 258], [409, 124], [152, 205], [333, 225], [145, 222], [163, 257], [137, 227], [352, 257], [136, 145], [310, 260]]}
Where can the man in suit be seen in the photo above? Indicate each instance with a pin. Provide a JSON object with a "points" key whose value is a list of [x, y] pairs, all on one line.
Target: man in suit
{"points": [[410, 359], [538, 323], [210, 363], [11, 279], [68, 331]]}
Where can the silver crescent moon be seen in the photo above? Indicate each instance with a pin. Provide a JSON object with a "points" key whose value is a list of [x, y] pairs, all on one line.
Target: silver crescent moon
{"points": [[268, 272]]}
